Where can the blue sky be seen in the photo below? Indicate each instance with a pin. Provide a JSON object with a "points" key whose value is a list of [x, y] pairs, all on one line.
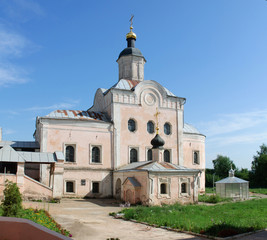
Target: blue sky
{"points": [[55, 54]]}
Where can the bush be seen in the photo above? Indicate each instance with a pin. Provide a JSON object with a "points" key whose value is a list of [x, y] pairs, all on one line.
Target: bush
{"points": [[12, 203]]}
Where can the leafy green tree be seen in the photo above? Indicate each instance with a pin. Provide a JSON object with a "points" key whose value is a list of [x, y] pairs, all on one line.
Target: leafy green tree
{"points": [[209, 173], [259, 168], [12, 203], [222, 165], [243, 173]]}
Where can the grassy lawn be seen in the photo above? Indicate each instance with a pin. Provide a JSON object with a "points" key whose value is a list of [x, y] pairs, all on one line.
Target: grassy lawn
{"points": [[259, 190], [43, 218], [219, 220]]}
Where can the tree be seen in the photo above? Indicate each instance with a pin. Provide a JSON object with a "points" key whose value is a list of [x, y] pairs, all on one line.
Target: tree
{"points": [[12, 200], [243, 173], [222, 165], [259, 168]]}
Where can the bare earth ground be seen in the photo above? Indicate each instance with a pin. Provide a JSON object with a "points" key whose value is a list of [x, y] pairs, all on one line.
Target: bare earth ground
{"points": [[89, 219]]}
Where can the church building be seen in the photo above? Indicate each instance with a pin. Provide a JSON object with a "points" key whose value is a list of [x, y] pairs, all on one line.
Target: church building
{"points": [[132, 144]]}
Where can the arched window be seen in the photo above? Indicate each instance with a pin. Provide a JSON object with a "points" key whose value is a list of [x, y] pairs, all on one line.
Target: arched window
{"points": [[167, 156], [149, 154], [196, 158], [69, 154], [167, 128], [95, 155], [150, 127], [163, 188], [133, 155], [184, 188], [131, 125]]}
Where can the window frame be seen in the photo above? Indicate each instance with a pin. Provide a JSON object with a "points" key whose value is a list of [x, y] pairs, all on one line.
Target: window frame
{"points": [[91, 154], [74, 155], [74, 186], [148, 149], [147, 127], [92, 187], [187, 183], [170, 155], [137, 155], [167, 182], [170, 129], [198, 157], [135, 125]]}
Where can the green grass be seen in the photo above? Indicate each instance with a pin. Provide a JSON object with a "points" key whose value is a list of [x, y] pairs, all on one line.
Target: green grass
{"points": [[258, 190], [218, 220], [213, 198], [41, 217]]}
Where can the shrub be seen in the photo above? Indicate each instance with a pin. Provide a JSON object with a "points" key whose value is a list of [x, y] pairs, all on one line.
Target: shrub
{"points": [[11, 204]]}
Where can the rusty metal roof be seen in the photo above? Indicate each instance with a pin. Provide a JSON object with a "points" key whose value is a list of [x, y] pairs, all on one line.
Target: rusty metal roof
{"points": [[77, 114], [133, 181]]}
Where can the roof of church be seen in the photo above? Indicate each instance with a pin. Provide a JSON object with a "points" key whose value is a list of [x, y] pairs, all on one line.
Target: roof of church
{"points": [[131, 51], [154, 166], [188, 128], [133, 181], [77, 114], [130, 85]]}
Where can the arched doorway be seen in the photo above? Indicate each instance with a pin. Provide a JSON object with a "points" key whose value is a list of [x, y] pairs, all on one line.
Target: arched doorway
{"points": [[118, 189]]}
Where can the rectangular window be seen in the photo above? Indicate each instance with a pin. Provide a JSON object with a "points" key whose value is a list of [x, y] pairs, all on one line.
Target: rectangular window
{"points": [[95, 154], [70, 187], [133, 154], [83, 182], [95, 187], [196, 157], [70, 153]]}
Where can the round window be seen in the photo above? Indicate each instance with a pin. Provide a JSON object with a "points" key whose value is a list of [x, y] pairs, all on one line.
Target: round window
{"points": [[131, 125]]}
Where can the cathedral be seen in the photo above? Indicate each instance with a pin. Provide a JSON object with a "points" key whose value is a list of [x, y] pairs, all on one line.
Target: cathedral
{"points": [[132, 144]]}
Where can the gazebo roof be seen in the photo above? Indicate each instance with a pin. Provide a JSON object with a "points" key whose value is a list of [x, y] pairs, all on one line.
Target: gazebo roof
{"points": [[232, 180]]}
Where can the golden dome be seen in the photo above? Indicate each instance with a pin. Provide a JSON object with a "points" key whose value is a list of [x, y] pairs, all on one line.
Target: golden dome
{"points": [[131, 34]]}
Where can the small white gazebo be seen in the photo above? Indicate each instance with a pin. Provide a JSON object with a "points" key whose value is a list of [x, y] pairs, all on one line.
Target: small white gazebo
{"points": [[232, 187]]}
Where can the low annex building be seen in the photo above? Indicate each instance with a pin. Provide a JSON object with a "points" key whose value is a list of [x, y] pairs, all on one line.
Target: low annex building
{"points": [[132, 143]]}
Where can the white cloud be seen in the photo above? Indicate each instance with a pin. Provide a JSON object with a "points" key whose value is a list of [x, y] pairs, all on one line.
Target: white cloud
{"points": [[11, 74], [64, 105], [229, 123], [259, 137], [11, 44]]}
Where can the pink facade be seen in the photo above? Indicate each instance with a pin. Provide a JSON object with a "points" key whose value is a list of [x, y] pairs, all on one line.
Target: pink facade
{"points": [[107, 148]]}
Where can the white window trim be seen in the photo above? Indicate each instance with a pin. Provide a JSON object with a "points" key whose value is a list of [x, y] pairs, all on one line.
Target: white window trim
{"points": [[129, 155], [170, 151], [187, 182], [74, 186], [90, 154], [198, 162], [65, 145], [99, 187], [167, 181]]}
